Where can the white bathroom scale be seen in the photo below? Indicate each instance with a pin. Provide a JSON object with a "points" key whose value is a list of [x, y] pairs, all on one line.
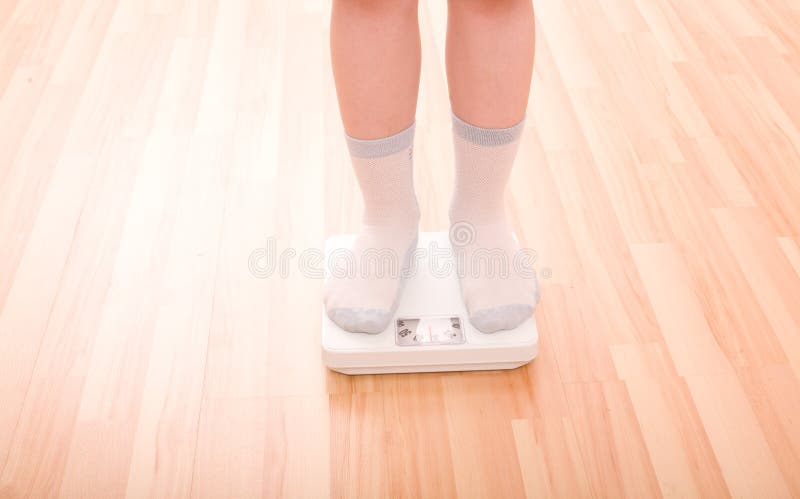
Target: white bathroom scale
{"points": [[430, 331]]}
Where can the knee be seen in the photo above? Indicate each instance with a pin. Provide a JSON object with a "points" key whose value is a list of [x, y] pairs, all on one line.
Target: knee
{"points": [[490, 8], [380, 8]]}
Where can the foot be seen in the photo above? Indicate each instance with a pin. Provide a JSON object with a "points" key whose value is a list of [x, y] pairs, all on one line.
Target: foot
{"points": [[363, 298], [498, 284], [498, 290]]}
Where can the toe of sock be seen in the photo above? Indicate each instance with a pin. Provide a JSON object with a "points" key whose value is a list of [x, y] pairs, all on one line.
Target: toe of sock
{"points": [[490, 320], [361, 320]]}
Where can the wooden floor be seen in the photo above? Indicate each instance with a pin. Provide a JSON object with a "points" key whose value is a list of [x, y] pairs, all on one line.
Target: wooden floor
{"points": [[148, 148]]}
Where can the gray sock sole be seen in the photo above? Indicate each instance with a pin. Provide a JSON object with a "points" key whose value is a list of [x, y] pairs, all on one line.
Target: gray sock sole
{"points": [[361, 320], [491, 320], [371, 320]]}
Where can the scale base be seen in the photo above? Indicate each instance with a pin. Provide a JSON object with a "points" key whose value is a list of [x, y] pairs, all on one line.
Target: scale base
{"points": [[436, 301], [428, 368]]}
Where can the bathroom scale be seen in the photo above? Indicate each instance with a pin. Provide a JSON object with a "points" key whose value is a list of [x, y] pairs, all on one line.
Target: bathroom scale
{"points": [[430, 330]]}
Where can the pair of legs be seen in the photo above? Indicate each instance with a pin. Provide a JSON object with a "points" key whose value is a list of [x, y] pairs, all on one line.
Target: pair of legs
{"points": [[375, 47]]}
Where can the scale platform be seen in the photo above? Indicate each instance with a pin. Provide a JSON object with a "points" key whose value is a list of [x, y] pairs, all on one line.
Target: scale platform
{"points": [[430, 331]]}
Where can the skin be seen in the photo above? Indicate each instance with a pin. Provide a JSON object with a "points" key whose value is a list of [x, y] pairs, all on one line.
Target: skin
{"points": [[375, 53], [490, 47]]}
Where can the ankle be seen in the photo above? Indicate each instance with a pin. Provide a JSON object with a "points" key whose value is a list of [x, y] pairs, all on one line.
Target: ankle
{"points": [[397, 223], [478, 217]]}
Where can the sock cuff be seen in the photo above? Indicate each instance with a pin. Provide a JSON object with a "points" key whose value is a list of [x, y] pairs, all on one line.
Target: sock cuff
{"points": [[386, 146], [487, 136]]}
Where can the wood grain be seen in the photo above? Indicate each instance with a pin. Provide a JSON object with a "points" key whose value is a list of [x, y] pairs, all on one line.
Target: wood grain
{"points": [[149, 149]]}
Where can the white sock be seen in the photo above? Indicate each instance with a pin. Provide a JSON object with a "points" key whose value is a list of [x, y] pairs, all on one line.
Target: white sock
{"points": [[365, 298], [480, 232]]}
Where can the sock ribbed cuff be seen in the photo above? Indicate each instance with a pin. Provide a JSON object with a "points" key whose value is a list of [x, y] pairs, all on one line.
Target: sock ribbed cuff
{"points": [[487, 136], [386, 146]]}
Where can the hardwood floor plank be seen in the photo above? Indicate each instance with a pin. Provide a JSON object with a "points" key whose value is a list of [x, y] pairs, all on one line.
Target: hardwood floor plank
{"points": [[53, 395], [679, 311], [768, 273], [476, 410], [683, 458], [535, 473], [738, 441], [604, 410]]}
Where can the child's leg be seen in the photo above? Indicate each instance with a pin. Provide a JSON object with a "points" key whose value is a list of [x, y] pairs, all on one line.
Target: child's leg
{"points": [[375, 51], [490, 47]]}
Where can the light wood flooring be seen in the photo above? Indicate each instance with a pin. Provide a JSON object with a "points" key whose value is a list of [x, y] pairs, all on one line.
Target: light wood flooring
{"points": [[148, 147]]}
